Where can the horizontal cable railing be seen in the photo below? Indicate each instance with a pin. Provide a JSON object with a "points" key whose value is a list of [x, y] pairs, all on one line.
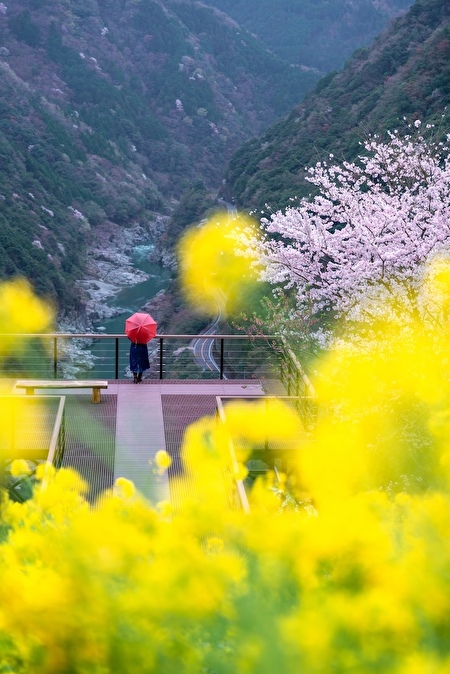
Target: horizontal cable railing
{"points": [[268, 453], [297, 384], [92, 356]]}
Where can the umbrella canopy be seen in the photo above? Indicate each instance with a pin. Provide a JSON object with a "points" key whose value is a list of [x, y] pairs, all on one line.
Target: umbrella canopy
{"points": [[140, 328]]}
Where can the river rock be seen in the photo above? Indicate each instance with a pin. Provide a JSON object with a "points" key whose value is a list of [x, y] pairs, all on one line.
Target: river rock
{"points": [[109, 266]]}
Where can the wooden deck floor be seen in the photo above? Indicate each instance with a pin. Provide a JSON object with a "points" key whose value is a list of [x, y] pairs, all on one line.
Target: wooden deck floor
{"points": [[153, 415], [120, 436]]}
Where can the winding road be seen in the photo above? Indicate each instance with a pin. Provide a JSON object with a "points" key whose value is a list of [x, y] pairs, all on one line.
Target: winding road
{"points": [[201, 347]]}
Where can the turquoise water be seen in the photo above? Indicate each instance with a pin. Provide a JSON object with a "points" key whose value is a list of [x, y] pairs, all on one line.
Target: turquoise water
{"points": [[130, 299]]}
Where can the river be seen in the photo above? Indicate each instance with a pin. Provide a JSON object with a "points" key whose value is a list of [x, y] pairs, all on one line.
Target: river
{"points": [[129, 299], [132, 298]]}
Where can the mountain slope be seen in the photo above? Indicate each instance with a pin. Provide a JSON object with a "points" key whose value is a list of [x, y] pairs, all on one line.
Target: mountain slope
{"points": [[405, 73], [320, 34], [109, 110]]}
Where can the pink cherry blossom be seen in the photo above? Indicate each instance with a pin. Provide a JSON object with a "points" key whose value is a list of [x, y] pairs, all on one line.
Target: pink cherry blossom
{"points": [[364, 238]]}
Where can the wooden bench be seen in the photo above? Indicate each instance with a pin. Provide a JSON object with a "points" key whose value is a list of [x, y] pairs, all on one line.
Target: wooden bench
{"points": [[95, 384]]}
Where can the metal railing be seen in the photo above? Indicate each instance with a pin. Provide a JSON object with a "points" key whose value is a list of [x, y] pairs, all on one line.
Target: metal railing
{"points": [[297, 384], [33, 429], [240, 495], [269, 453], [92, 356]]}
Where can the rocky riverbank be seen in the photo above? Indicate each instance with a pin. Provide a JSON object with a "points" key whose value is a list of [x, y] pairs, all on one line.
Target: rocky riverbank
{"points": [[110, 267]]}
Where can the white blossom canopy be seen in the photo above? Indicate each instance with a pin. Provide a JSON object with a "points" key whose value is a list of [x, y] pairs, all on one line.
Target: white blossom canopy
{"points": [[366, 235]]}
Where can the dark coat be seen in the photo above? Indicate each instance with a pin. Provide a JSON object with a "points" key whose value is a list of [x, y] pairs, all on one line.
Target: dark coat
{"points": [[139, 358]]}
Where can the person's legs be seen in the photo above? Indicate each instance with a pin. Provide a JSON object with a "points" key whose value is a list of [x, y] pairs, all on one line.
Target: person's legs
{"points": [[135, 378], [139, 377]]}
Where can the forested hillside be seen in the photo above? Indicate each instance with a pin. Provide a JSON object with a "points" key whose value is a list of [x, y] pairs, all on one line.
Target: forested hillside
{"points": [[109, 110], [404, 75], [319, 34]]}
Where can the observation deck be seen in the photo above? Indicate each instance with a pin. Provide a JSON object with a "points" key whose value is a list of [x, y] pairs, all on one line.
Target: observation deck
{"points": [[120, 436]]}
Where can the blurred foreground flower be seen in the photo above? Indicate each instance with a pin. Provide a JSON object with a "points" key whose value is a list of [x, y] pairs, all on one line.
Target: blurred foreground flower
{"points": [[384, 403], [20, 467], [217, 270], [163, 459], [124, 488], [358, 581], [21, 311]]}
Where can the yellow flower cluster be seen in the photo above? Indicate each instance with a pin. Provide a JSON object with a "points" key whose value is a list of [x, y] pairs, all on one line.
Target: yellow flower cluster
{"points": [[20, 467], [21, 311], [217, 270], [163, 460], [359, 583]]}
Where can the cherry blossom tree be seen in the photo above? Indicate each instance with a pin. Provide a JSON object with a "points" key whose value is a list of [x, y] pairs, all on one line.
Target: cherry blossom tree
{"points": [[360, 244]]}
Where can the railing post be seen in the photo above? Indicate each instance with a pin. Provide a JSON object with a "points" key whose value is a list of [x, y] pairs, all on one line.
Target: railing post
{"points": [[289, 374], [52, 364], [266, 436], [222, 341], [55, 357], [117, 359]]}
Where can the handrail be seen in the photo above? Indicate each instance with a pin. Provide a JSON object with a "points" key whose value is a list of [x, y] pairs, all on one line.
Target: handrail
{"points": [[295, 378], [241, 493], [158, 348], [299, 373], [303, 376], [106, 335], [35, 451], [55, 456]]}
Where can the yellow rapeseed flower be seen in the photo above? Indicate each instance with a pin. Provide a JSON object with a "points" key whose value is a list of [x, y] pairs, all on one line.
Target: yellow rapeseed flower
{"points": [[21, 311], [45, 470], [217, 270], [124, 487], [363, 586], [162, 459], [20, 467], [165, 508], [257, 421], [436, 286], [214, 545]]}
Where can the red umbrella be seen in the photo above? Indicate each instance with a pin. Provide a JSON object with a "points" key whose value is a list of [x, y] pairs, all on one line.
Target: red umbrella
{"points": [[140, 328]]}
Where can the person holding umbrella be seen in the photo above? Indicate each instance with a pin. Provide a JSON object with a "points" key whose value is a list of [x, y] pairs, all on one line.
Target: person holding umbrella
{"points": [[139, 361], [140, 328]]}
